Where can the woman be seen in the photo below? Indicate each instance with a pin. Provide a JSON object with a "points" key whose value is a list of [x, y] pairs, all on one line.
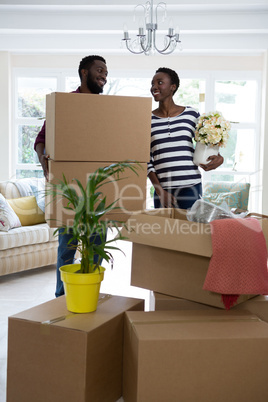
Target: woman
{"points": [[176, 179]]}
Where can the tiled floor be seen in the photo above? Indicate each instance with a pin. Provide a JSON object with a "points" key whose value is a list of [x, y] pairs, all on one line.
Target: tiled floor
{"points": [[21, 291]]}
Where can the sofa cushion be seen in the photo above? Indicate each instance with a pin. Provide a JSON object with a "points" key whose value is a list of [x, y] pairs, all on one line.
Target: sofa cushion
{"points": [[8, 218], [39, 194], [27, 210], [52, 237], [21, 251], [232, 198], [24, 236]]}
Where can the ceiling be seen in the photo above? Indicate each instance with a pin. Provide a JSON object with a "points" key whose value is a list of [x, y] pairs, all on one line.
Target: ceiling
{"points": [[71, 27]]}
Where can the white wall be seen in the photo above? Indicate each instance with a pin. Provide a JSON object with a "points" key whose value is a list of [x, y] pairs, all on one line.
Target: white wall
{"points": [[265, 137], [5, 115], [129, 62]]}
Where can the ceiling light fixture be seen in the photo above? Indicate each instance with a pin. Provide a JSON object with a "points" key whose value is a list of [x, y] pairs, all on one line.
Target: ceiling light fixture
{"points": [[146, 42]]}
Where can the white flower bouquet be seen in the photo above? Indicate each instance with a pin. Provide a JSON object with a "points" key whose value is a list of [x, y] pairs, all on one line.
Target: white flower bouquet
{"points": [[212, 129]]}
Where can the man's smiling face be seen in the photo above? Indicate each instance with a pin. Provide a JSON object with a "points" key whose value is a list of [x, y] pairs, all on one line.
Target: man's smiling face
{"points": [[97, 77]]}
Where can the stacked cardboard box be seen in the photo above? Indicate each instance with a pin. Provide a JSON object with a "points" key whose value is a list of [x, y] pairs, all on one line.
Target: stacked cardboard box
{"points": [[171, 255], [258, 305], [55, 355], [85, 132], [190, 348]]}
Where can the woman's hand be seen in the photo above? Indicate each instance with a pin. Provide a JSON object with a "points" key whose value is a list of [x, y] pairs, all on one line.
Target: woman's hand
{"points": [[214, 162], [167, 200]]}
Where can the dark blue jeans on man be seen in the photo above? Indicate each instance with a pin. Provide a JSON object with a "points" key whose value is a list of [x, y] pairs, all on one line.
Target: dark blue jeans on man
{"points": [[66, 253]]}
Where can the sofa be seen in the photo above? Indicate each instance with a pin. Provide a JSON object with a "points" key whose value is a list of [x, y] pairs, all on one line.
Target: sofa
{"points": [[26, 240]]}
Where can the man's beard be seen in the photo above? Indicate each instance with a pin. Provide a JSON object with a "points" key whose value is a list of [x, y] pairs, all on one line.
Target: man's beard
{"points": [[93, 87]]}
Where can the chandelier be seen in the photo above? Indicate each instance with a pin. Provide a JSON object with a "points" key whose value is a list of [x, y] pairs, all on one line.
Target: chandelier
{"points": [[146, 42]]}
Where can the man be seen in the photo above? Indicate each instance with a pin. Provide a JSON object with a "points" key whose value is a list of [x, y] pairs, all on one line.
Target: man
{"points": [[93, 76]]}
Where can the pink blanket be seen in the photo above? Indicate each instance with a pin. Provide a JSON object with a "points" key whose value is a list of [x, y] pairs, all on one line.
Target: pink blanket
{"points": [[239, 261]]}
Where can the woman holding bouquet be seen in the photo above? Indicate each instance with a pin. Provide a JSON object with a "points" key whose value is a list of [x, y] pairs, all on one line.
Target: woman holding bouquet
{"points": [[176, 179]]}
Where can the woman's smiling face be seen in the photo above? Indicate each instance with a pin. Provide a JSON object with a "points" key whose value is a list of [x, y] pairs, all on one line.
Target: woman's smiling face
{"points": [[161, 87]]}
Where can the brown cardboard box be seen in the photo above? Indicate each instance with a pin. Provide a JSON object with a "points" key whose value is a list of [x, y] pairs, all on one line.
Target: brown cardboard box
{"points": [[54, 355], [258, 305], [161, 302], [192, 356], [171, 255], [130, 190], [85, 127]]}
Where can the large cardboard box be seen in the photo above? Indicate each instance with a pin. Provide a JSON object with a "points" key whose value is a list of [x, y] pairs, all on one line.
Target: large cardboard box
{"points": [[130, 190], [192, 356], [55, 355], [171, 255], [86, 127], [258, 305]]}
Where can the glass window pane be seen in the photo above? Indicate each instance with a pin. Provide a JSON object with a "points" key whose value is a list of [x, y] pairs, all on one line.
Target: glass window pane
{"points": [[239, 153], [26, 137], [232, 177], [71, 83], [128, 86], [32, 93], [23, 173], [236, 100], [222, 177], [191, 93]]}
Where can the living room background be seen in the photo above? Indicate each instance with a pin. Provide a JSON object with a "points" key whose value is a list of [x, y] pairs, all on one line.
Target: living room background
{"points": [[225, 82]]}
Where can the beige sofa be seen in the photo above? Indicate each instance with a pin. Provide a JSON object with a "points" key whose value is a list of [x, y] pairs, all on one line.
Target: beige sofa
{"points": [[26, 247]]}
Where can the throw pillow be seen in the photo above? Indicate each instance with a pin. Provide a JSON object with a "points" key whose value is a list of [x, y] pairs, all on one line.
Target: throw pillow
{"points": [[27, 210], [231, 198], [8, 218], [40, 197]]}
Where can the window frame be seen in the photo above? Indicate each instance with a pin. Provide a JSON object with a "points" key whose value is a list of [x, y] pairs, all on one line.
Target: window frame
{"points": [[60, 76]]}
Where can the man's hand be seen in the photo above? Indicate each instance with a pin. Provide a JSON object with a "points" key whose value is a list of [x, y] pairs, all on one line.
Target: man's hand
{"points": [[214, 162], [43, 159]]}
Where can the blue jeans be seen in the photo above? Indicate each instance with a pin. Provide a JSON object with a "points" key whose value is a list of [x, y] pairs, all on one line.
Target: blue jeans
{"points": [[66, 253], [185, 196]]}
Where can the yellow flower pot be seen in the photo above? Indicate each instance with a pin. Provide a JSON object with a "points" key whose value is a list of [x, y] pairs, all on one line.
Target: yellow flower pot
{"points": [[81, 290]]}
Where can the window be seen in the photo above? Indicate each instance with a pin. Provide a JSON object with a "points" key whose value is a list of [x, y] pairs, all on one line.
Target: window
{"points": [[238, 100], [30, 108], [236, 97]]}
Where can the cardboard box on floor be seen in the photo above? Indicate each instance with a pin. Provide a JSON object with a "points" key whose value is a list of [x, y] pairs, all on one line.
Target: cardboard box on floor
{"points": [[171, 255], [87, 127], [130, 190], [54, 355], [195, 356]]}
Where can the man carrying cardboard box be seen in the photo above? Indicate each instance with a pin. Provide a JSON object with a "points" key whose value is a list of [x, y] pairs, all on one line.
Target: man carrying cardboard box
{"points": [[93, 76]]}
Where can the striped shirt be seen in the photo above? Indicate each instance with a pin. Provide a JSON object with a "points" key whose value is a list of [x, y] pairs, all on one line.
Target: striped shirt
{"points": [[172, 149]]}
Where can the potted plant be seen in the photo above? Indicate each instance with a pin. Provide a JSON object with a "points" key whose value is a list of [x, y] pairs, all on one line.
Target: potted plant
{"points": [[82, 281], [212, 132]]}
